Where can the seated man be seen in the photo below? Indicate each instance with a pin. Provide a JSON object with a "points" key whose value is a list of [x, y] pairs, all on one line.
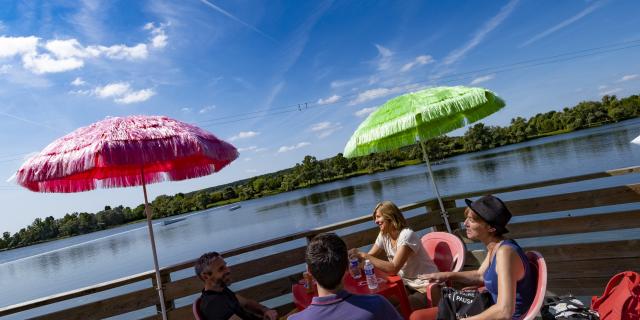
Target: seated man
{"points": [[327, 262], [218, 302]]}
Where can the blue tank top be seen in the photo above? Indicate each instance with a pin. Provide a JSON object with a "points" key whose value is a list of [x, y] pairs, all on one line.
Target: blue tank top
{"points": [[525, 288]]}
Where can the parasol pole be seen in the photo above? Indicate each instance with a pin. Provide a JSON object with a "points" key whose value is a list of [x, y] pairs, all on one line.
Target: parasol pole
{"points": [[148, 212], [443, 212]]}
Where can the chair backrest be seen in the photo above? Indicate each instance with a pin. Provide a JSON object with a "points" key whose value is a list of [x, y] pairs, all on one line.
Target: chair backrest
{"points": [[445, 249], [540, 267], [196, 309]]}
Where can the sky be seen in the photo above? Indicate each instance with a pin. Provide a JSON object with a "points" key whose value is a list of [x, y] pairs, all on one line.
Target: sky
{"points": [[283, 79]]}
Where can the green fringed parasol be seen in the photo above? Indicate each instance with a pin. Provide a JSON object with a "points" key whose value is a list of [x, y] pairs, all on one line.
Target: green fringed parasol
{"points": [[418, 116]]}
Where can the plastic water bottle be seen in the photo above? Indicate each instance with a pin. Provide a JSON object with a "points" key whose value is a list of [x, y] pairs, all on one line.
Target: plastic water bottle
{"points": [[372, 281], [354, 268]]}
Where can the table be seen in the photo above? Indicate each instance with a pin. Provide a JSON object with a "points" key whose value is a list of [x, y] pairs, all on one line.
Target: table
{"points": [[388, 286]]}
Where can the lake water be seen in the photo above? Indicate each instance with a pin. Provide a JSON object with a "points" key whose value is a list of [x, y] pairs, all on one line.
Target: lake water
{"points": [[59, 266]]}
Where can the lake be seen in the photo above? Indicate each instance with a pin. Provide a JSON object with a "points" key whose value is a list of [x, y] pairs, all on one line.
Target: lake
{"points": [[63, 265]]}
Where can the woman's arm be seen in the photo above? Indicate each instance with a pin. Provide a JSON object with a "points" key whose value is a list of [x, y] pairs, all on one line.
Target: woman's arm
{"points": [[510, 269], [467, 278], [375, 250], [401, 257]]}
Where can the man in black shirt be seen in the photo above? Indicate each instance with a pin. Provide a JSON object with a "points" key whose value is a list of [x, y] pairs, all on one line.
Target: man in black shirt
{"points": [[218, 302]]}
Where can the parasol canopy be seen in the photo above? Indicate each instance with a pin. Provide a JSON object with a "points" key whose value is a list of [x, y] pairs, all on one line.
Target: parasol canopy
{"points": [[112, 152], [421, 115]]}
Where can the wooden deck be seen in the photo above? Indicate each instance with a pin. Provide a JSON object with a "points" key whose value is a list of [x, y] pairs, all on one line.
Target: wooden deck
{"points": [[581, 269]]}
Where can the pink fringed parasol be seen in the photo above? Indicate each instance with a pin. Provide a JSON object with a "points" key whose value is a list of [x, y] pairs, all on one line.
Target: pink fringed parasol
{"points": [[125, 152], [112, 152]]}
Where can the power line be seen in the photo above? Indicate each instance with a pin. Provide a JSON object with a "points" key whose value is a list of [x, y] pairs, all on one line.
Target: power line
{"points": [[567, 56]]}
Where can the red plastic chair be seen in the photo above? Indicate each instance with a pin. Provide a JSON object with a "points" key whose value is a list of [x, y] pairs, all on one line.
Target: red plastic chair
{"points": [[540, 267], [196, 309], [446, 250]]}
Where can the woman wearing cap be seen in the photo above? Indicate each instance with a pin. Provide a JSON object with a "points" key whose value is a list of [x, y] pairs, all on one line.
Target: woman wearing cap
{"points": [[405, 255], [505, 272]]}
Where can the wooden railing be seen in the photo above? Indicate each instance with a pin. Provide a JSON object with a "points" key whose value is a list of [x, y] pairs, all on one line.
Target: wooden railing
{"points": [[581, 269]]}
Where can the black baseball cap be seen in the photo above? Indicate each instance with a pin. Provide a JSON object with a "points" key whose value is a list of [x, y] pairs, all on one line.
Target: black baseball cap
{"points": [[492, 210]]}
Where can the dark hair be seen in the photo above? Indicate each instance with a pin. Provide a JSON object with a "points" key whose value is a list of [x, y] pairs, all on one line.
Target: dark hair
{"points": [[202, 265], [327, 259]]}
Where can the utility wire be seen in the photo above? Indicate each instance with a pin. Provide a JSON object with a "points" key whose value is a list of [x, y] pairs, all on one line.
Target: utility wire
{"points": [[568, 56]]}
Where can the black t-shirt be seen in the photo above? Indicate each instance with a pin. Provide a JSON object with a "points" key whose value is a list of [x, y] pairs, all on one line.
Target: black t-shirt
{"points": [[222, 305]]}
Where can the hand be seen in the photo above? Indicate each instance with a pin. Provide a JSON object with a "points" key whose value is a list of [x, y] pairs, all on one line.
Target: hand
{"points": [[357, 253], [436, 277], [270, 314]]}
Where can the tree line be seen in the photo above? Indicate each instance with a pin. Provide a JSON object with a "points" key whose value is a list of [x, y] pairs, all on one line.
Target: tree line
{"points": [[311, 171]]}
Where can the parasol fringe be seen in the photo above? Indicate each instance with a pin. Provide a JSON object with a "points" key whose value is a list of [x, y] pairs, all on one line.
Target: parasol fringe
{"points": [[170, 150], [437, 118]]}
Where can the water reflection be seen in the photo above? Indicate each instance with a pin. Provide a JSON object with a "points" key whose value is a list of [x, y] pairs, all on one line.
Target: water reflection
{"points": [[376, 187]]}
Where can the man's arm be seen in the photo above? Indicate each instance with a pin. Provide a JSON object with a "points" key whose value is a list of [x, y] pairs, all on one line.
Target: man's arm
{"points": [[255, 307]]}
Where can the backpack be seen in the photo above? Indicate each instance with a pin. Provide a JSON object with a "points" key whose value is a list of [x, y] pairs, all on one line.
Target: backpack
{"points": [[621, 298], [566, 308]]}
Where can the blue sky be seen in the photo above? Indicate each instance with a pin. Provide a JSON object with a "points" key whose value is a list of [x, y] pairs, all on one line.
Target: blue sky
{"points": [[236, 67]]}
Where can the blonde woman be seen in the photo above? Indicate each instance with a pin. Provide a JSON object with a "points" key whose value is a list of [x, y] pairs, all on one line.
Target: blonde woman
{"points": [[405, 255]]}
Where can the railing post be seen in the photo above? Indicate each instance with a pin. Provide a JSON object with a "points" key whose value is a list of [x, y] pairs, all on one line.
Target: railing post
{"points": [[165, 277], [434, 208]]}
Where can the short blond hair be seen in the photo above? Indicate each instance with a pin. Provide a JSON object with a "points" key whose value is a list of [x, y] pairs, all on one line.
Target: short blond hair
{"points": [[390, 212]]}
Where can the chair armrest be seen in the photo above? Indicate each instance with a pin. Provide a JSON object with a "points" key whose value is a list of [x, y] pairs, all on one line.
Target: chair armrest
{"points": [[428, 288]]}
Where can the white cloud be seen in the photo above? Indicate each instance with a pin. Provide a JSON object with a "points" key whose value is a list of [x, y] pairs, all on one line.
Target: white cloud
{"points": [[78, 82], [159, 37], [418, 61], [333, 99], [483, 79], [610, 91], [120, 51], [384, 60], [321, 126], [247, 159], [136, 96], [251, 170], [207, 109], [365, 112], [294, 147], [5, 68], [44, 63], [11, 46], [122, 93], [343, 83], [60, 55], [185, 109], [274, 93], [628, 77], [325, 129], [602, 87], [564, 23], [481, 33], [250, 148], [69, 48], [244, 135], [112, 90], [372, 94]]}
